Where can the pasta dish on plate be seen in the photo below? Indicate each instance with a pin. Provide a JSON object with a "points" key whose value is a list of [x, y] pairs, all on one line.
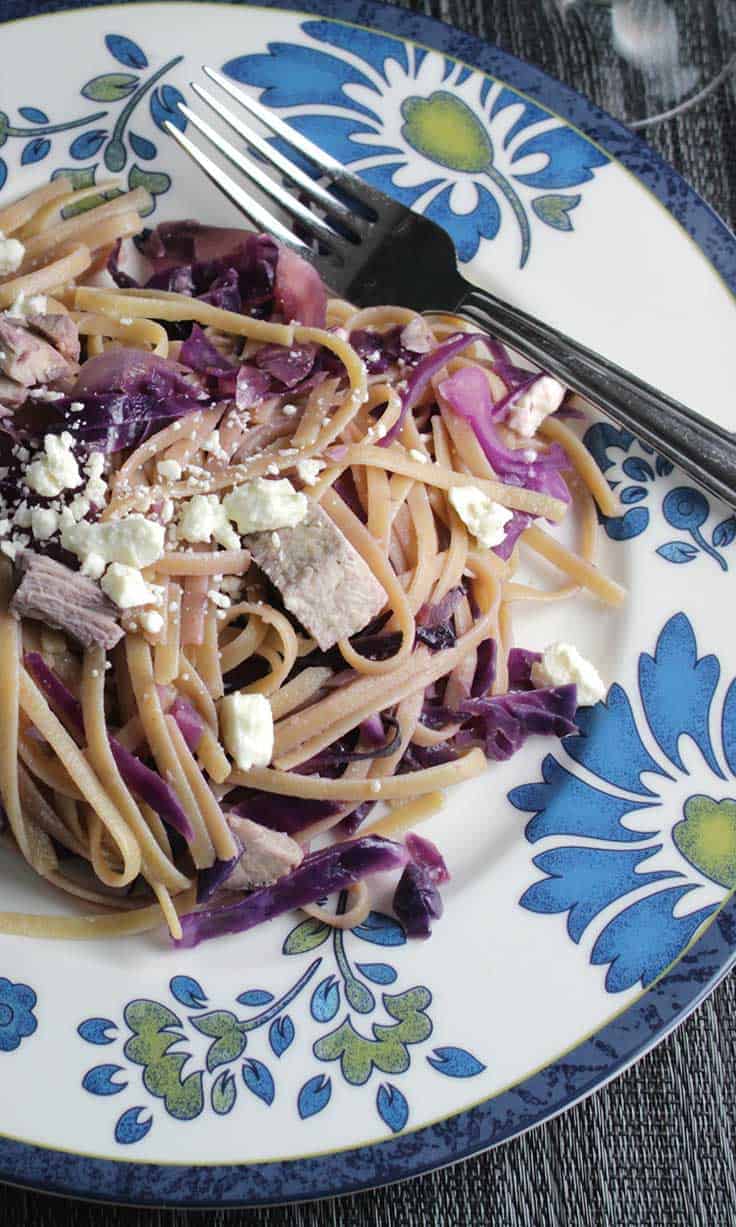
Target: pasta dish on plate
{"points": [[259, 556]]}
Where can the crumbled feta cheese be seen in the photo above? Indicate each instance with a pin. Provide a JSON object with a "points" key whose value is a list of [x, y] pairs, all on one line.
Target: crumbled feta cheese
{"points": [[4, 528], [275, 541], [44, 523], [95, 465], [169, 469], [76, 406], [309, 470], [218, 598], [420, 457], [273, 470], [22, 516], [151, 621], [56, 469], [9, 548], [46, 394], [12, 252], [126, 321], [232, 585], [562, 664], [127, 588], [247, 729], [22, 307], [93, 565], [486, 520], [213, 445], [133, 540], [96, 491], [289, 411], [79, 507], [167, 510], [203, 517], [261, 505], [528, 412]]}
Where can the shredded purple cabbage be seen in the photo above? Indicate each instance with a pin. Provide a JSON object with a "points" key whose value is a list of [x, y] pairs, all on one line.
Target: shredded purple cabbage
{"points": [[485, 668], [210, 880], [287, 814], [289, 365], [149, 786], [442, 610], [136, 371], [520, 661], [299, 290], [423, 852], [191, 724], [199, 353], [321, 873], [502, 723], [417, 901], [466, 393]]}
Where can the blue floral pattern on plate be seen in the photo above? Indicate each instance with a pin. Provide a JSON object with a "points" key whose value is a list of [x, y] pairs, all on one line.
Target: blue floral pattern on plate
{"points": [[106, 133], [639, 476], [151, 1035], [465, 150], [647, 856], [17, 1019]]}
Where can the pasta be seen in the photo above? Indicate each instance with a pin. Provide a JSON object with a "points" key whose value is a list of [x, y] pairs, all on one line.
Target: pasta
{"points": [[259, 559]]}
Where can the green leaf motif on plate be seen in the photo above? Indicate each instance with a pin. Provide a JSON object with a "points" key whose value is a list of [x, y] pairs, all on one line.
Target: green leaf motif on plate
{"points": [[388, 1050], [110, 87]]}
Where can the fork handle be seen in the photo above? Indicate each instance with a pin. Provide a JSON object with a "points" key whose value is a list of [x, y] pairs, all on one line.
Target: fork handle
{"points": [[704, 450]]}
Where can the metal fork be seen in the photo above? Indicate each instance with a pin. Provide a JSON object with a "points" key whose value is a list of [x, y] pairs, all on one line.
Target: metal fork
{"points": [[372, 250]]}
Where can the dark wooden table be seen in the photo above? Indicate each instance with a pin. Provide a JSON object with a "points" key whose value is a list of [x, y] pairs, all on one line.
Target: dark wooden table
{"points": [[657, 1146]]}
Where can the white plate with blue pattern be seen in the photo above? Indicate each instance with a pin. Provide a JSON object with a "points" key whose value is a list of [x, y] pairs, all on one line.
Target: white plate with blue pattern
{"points": [[296, 1062]]}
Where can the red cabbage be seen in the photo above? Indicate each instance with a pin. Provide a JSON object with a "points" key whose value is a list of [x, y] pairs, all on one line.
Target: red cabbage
{"points": [[149, 786], [351, 822], [503, 722], [513, 376], [424, 372], [339, 752], [380, 350], [417, 758], [288, 814], [417, 901], [289, 365], [423, 852], [133, 371], [519, 521], [201, 355], [108, 421], [231, 269], [321, 873], [485, 668], [467, 394], [433, 615], [251, 386], [191, 724], [520, 663], [210, 880], [299, 291]]}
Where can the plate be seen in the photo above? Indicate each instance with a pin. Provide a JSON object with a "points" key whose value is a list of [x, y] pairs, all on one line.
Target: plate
{"points": [[294, 1062]]}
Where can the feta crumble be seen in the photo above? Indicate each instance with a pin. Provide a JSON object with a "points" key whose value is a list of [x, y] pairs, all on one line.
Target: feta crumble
{"points": [[562, 664], [309, 470], [528, 412], [12, 252], [169, 469], [133, 540], [246, 724], [151, 621], [44, 523], [486, 519], [261, 505], [127, 588], [56, 469], [203, 517]]}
